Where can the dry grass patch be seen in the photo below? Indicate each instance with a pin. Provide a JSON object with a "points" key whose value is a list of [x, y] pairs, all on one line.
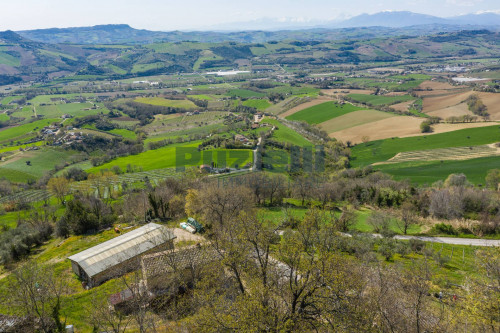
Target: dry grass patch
{"points": [[353, 119], [452, 111], [386, 128], [492, 101], [402, 106], [436, 85]]}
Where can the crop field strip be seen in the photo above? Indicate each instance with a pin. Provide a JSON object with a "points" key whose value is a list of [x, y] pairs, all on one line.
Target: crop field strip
{"points": [[453, 153]]}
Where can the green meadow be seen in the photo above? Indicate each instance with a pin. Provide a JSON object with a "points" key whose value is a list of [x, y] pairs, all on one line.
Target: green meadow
{"points": [[166, 157], [41, 161], [323, 112], [285, 134], [259, 104]]}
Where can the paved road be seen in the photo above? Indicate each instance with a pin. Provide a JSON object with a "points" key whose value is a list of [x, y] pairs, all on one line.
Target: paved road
{"points": [[455, 241], [445, 240]]}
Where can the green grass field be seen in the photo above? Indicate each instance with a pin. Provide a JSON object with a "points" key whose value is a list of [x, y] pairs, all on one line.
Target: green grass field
{"points": [[382, 150], [285, 134], [41, 161], [7, 59], [323, 112], [165, 157], [380, 100], [21, 131], [182, 104], [429, 172], [259, 104], [124, 133], [244, 93]]}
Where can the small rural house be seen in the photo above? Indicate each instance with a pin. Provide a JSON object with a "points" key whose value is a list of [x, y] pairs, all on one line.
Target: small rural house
{"points": [[121, 254]]}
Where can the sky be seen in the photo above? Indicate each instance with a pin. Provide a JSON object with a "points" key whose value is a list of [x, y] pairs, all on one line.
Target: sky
{"points": [[167, 15]]}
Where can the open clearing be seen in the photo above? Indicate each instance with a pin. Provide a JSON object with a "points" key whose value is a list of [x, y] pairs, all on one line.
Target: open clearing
{"points": [[353, 119], [381, 129], [445, 154]]}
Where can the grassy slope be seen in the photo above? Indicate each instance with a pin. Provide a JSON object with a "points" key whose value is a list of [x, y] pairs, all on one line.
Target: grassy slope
{"points": [[22, 130], [166, 158], [285, 134], [323, 112], [41, 162], [429, 172], [382, 150]]}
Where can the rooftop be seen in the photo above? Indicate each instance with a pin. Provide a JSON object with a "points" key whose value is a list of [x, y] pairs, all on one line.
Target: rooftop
{"points": [[122, 248]]}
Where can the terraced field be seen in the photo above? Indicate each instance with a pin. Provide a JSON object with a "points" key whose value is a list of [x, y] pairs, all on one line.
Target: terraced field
{"points": [[444, 154], [27, 196]]}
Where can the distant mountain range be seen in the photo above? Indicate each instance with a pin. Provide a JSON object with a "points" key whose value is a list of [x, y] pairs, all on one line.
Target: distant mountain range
{"points": [[268, 29], [406, 19]]}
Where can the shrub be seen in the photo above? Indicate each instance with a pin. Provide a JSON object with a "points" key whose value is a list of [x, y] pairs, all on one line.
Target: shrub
{"points": [[416, 245], [443, 228]]}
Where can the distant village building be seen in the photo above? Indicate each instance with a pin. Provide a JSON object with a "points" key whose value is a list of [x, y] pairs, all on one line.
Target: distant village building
{"points": [[121, 254]]}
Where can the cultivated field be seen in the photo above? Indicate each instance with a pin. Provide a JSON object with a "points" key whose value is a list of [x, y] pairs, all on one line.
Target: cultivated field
{"points": [[383, 150], [303, 106], [182, 104], [381, 129], [323, 112], [353, 119]]}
